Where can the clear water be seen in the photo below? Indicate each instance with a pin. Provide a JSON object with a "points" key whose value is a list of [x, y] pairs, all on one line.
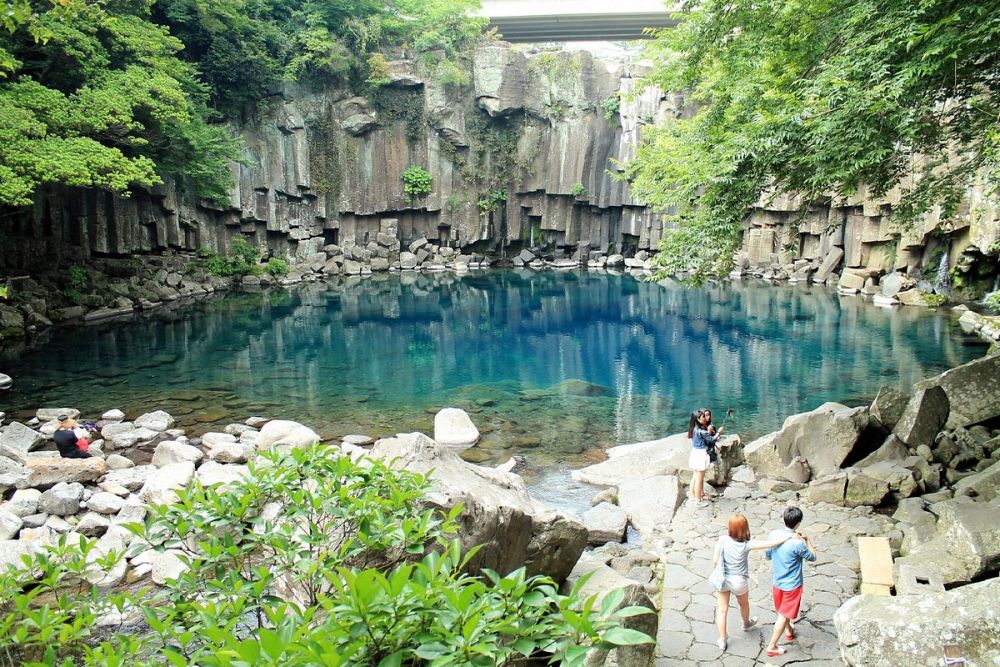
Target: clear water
{"points": [[552, 366]]}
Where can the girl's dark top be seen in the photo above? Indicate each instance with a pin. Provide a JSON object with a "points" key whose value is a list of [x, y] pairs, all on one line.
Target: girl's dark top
{"points": [[66, 442]]}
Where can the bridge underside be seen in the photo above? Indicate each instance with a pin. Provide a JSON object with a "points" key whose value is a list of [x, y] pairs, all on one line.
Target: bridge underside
{"points": [[579, 27]]}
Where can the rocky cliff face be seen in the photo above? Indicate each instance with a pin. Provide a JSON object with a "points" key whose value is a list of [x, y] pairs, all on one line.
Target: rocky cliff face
{"points": [[325, 167], [526, 134]]}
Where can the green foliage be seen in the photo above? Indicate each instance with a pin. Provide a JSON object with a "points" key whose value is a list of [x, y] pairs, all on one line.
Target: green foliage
{"points": [[311, 560], [610, 106], [401, 104], [494, 148], [492, 201], [934, 300], [451, 73], [95, 96], [276, 267], [454, 201], [49, 609], [577, 189], [820, 98], [378, 70], [992, 301], [416, 182], [243, 259]]}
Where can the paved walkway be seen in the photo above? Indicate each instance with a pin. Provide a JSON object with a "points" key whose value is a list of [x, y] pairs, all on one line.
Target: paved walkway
{"points": [[687, 634]]}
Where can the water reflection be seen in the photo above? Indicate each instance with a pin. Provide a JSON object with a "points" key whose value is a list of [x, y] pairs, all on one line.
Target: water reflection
{"points": [[556, 366]]}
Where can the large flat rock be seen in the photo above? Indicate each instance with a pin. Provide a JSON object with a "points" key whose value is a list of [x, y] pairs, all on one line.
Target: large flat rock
{"points": [[513, 528], [882, 631], [43, 472]]}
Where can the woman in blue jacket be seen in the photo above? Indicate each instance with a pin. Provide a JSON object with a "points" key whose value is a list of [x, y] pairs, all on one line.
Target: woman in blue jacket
{"points": [[703, 435]]}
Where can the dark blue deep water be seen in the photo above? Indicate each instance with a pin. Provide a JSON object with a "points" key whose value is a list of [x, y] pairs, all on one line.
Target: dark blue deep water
{"points": [[553, 366]]}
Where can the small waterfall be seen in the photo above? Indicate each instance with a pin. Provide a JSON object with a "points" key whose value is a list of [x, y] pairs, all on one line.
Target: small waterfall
{"points": [[942, 283]]}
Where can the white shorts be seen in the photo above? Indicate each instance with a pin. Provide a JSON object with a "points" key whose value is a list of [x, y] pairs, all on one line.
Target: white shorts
{"points": [[699, 461], [736, 584]]}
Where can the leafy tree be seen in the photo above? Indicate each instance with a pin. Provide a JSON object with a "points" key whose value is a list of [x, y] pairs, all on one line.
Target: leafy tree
{"points": [[94, 95], [821, 98]]}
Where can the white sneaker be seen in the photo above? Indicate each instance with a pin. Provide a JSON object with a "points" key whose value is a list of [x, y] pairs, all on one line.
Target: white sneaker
{"points": [[750, 623], [722, 643]]}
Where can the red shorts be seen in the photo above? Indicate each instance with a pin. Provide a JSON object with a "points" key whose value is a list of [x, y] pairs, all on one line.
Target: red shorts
{"points": [[787, 603]]}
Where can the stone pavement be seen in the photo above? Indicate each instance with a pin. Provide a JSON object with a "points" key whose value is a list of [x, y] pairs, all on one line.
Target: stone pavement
{"points": [[687, 633]]}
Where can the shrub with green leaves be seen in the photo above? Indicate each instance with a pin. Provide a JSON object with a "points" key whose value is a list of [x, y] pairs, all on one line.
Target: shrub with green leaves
{"points": [[313, 560], [610, 106], [416, 182], [492, 201], [577, 190], [243, 260], [276, 267]]}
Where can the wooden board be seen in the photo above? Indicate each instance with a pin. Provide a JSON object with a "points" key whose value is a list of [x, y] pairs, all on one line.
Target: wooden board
{"points": [[876, 561], [875, 589]]}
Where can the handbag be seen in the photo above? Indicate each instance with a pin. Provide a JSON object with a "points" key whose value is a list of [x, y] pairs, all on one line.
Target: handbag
{"points": [[718, 576]]}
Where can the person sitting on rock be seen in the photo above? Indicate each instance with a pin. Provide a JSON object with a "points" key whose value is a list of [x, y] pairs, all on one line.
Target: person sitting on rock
{"points": [[786, 576], [734, 549], [70, 443], [703, 435]]}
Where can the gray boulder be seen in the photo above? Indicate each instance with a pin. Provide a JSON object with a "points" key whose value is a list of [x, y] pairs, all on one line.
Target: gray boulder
{"points": [[864, 490], [824, 438], [829, 489], [103, 502], [971, 390], [283, 433], [24, 502], [925, 414], [93, 524], [171, 451], [155, 421], [888, 407], [117, 462], [605, 523], [20, 438], [161, 487], [10, 524], [232, 452], [881, 631], [13, 552], [651, 501], [211, 473], [47, 414], [43, 472], [894, 283], [666, 456], [453, 427], [965, 544], [132, 479], [983, 485], [62, 499], [513, 528]]}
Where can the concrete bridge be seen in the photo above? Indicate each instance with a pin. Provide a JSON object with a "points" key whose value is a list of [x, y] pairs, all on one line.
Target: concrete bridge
{"points": [[575, 20]]}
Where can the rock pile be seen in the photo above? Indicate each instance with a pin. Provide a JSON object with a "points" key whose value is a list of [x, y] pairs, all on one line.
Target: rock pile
{"points": [[50, 496], [934, 441]]}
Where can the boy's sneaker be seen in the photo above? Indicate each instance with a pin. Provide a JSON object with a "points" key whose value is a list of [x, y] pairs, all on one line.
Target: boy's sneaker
{"points": [[750, 623]]}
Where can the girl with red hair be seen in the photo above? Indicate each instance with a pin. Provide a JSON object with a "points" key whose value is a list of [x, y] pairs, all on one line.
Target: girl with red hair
{"points": [[734, 549]]}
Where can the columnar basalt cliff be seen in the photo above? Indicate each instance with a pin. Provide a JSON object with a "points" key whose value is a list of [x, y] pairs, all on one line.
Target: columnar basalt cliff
{"points": [[520, 155]]}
